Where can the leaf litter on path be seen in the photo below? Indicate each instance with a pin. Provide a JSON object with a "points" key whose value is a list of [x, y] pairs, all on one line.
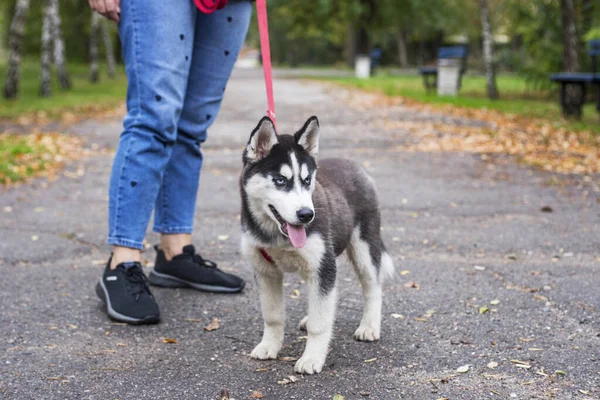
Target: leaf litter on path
{"points": [[535, 141]]}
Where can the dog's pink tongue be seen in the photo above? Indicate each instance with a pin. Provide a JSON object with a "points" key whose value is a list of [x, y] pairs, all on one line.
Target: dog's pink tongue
{"points": [[297, 235]]}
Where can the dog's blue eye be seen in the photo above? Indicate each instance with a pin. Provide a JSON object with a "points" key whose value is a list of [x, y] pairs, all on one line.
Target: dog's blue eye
{"points": [[279, 181], [307, 180]]}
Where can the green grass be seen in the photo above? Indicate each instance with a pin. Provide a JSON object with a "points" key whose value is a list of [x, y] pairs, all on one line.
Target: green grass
{"points": [[14, 151], [515, 97], [104, 94]]}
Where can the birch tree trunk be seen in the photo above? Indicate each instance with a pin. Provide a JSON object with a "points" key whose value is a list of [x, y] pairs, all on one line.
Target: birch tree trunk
{"points": [[108, 48], [17, 28], [94, 70], [46, 53], [59, 45], [402, 54], [488, 55]]}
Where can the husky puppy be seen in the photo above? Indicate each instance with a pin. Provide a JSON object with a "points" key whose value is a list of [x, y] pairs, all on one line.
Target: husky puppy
{"points": [[297, 218]]}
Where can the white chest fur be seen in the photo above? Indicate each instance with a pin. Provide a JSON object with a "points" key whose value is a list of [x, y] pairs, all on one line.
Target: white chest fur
{"points": [[305, 261]]}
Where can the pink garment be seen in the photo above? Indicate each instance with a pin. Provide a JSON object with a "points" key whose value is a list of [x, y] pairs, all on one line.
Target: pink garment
{"points": [[208, 6]]}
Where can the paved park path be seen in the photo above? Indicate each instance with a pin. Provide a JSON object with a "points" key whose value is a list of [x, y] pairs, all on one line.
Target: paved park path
{"points": [[485, 278]]}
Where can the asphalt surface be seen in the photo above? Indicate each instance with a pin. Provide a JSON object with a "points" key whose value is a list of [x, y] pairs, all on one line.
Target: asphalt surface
{"points": [[465, 233]]}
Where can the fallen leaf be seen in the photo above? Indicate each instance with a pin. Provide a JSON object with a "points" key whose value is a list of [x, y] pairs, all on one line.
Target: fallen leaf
{"points": [[559, 372], [370, 360], [420, 319], [288, 358], [72, 326], [586, 392], [483, 310], [495, 302], [411, 284], [169, 340], [463, 369], [397, 316], [492, 364], [289, 379], [257, 394], [526, 339], [338, 397], [546, 209], [296, 294], [405, 272], [261, 370], [213, 325]]}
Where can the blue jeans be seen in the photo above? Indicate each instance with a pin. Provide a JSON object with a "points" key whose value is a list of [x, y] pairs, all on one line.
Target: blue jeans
{"points": [[178, 61]]}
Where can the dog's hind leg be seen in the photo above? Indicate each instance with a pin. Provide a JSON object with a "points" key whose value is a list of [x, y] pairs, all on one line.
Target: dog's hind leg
{"points": [[321, 316], [367, 255]]}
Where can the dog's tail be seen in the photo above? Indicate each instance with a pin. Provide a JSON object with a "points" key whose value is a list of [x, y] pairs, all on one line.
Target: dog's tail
{"points": [[386, 270]]}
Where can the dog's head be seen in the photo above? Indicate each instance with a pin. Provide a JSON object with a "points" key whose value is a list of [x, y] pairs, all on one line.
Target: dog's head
{"points": [[278, 179]]}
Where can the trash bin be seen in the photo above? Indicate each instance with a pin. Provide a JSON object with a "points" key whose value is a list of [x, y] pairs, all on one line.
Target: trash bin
{"points": [[362, 66], [448, 76]]}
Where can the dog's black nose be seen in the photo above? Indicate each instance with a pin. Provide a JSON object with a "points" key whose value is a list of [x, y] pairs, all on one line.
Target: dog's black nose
{"points": [[305, 215]]}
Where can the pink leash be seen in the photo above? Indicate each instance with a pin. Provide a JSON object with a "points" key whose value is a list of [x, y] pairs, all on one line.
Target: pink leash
{"points": [[265, 51]]}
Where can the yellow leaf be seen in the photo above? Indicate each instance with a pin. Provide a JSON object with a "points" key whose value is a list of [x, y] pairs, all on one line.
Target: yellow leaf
{"points": [[169, 340], [213, 325]]}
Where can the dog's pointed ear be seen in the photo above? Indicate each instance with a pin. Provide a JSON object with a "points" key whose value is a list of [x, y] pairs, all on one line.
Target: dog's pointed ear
{"points": [[262, 139], [308, 136]]}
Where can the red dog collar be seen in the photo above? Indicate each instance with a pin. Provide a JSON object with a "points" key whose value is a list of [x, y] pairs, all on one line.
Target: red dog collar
{"points": [[208, 6], [265, 255]]}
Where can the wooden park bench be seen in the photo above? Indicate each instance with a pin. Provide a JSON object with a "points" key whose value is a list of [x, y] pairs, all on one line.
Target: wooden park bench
{"points": [[572, 105], [444, 53]]}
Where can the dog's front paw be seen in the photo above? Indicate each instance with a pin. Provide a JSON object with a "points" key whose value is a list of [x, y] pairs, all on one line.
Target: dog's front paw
{"points": [[309, 365], [366, 333], [265, 351], [302, 324]]}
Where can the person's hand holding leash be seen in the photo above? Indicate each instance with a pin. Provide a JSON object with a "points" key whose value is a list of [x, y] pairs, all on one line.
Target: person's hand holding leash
{"points": [[110, 9]]}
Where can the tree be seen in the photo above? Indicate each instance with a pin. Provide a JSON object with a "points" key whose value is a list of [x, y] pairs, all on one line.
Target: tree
{"points": [[46, 52], [570, 54], [108, 48], [59, 46], [488, 55], [570, 38], [17, 28], [94, 70]]}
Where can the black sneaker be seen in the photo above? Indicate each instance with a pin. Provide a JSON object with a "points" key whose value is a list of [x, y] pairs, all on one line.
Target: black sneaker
{"points": [[126, 294], [190, 270]]}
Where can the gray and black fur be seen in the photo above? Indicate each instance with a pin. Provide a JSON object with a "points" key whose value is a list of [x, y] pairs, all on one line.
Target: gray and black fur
{"points": [[346, 220]]}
